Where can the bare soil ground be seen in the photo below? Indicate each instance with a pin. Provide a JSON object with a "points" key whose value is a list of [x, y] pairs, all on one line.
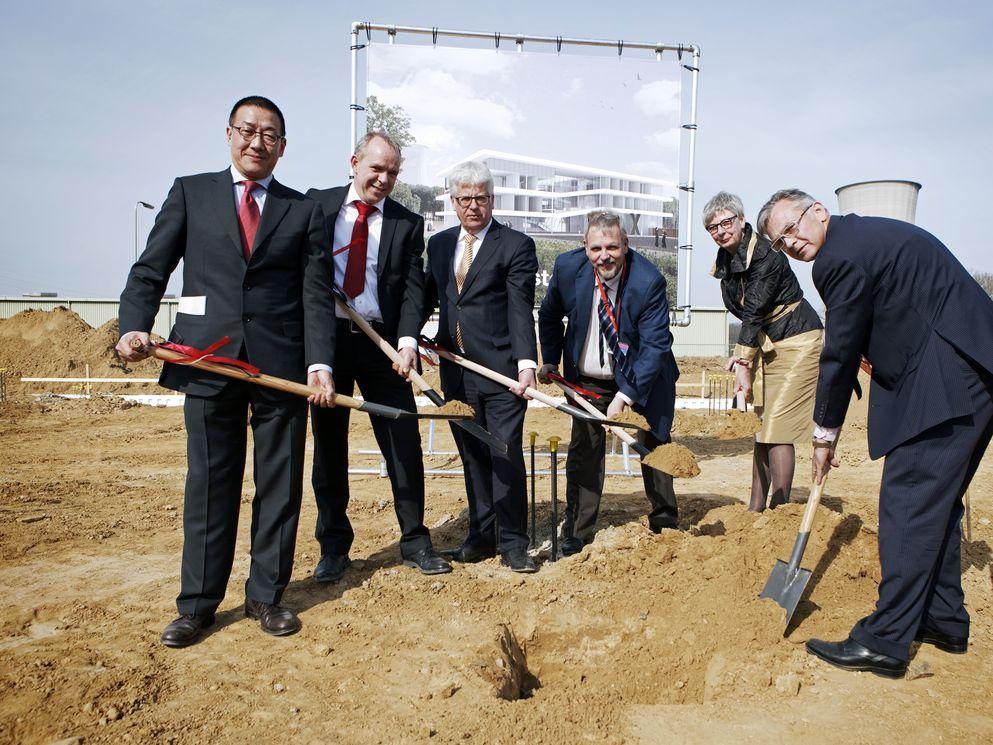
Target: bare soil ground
{"points": [[640, 638]]}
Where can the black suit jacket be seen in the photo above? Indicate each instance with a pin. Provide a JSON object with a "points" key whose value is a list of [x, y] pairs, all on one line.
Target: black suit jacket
{"points": [[644, 327], [895, 294], [400, 267], [277, 306], [496, 305]]}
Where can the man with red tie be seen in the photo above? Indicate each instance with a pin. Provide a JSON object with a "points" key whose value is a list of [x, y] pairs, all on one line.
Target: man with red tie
{"points": [[256, 270], [377, 246]]}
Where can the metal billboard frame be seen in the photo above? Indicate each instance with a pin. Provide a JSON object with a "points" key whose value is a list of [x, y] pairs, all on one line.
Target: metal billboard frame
{"points": [[685, 208]]}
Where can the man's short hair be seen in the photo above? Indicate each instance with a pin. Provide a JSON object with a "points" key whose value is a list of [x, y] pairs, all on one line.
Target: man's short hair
{"points": [[799, 198], [368, 137], [261, 102], [723, 200], [471, 173], [605, 220]]}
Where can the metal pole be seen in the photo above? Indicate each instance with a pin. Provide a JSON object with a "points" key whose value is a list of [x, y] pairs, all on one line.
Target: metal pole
{"points": [[353, 106], [553, 448], [534, 529]]}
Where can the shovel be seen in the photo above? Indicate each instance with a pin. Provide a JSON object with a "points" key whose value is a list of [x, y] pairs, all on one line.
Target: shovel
{"points": [[788, 580], [288, 386]]}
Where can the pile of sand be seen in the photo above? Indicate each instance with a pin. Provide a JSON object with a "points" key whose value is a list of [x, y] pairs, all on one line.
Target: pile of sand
{"points": [[60, 344], [674, 459], [630, 416], [731, 425]]}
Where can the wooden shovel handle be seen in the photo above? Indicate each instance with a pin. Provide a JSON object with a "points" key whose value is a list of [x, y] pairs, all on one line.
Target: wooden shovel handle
{"points": [[623, 435], [387, 348], [269, 381], [495, 376]]}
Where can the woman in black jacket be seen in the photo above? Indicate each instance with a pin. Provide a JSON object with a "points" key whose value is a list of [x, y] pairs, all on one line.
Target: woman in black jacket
{"points": [[778, 346]]}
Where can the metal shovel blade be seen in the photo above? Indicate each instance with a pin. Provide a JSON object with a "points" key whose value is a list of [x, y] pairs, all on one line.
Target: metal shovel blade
{"points": [[786, 587]]}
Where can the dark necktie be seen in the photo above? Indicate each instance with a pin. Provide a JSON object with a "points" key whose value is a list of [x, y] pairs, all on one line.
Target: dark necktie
{"points": [[354, 282], [248, 218], [609, 334]]}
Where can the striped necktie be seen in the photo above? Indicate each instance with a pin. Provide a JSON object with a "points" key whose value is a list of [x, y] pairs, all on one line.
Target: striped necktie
{"points": [[621, 360], [460, 275]]}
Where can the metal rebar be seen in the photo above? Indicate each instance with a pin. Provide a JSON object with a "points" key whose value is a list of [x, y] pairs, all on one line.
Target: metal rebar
{"points": [[534, 529], [553, 448]]}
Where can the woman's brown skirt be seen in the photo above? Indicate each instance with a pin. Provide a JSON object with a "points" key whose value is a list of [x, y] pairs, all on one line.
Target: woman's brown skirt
{"points": [[785, 386]]}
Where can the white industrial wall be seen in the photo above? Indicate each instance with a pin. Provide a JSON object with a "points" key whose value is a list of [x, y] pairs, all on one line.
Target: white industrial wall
{"points": [[95, 311], [706, 336]]}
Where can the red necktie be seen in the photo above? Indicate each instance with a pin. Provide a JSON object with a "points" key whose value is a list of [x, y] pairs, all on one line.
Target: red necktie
{"points": [[248, 218], [354, 282]]}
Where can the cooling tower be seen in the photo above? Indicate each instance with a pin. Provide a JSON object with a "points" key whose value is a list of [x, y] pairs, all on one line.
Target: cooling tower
{"points": [[896, 199]]}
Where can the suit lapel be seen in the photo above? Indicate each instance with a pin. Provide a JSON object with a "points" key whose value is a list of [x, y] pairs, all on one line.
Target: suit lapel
{"points": [[276, 205], [492, 243], [226, 209], [448, 256], [335, 204], [584, 299], [386, 234]]}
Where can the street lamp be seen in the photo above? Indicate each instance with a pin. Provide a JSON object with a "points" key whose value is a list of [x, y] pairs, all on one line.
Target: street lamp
{"points": [[147, 206]]}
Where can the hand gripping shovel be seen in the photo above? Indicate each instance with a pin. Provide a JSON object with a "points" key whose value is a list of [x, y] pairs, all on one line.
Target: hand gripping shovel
{"points": [[467, 424], [788, 581]]}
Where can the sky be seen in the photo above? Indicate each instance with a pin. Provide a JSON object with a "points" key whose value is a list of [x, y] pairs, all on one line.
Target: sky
{"points": [[108, 102]]}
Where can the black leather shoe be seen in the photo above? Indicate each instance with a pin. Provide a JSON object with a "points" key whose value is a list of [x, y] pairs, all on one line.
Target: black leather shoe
{"points": [[428, 561], [186, 629], [519, 561], [274, 619], [332, 567], [850, 655], [944, 642], [571, 545], [468, 554]]}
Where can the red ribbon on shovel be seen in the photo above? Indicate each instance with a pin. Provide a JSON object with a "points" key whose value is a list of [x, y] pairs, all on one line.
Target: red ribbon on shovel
{"points": [[192, 354]]}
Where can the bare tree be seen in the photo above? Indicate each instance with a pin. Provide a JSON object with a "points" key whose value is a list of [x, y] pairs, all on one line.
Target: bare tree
{"points": [[985, 280]]}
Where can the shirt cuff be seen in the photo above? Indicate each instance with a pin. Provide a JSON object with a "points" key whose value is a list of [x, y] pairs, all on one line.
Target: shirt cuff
{"points": [[523, 365], [826, 434], [624, 398], [318, 366], [745, 353], [406, 342]]}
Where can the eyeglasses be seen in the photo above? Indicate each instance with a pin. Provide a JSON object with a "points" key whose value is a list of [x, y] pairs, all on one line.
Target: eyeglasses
{"points": [[248, 134], [481, 199], [723, 225], [789, 231]]}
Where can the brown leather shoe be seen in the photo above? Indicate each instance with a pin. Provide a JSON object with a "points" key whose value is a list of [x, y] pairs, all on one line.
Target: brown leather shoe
{"points": [[186, 629], [274, 619]]}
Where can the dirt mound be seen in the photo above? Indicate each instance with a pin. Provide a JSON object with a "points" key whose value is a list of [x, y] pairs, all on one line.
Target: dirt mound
{"points": [[60, 344], [674, 459], [731, 425]]}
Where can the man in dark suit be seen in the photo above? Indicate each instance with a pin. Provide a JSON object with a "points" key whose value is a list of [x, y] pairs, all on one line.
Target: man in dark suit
{"points": [[377, 246], [617, 344], [895, 295], [483, 275], [255, 269]]}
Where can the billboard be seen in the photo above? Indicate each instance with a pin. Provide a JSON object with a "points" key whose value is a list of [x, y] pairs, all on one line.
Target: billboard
{"points": [[563, 132]]}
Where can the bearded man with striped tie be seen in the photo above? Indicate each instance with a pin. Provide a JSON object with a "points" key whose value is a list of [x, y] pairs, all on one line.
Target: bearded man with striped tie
{"points": [[483, 275], [617, 345]]}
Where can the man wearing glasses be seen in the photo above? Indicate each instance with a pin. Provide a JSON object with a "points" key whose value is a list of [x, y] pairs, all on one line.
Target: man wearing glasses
{"points": [[896, 295], [255, 269], [483, 275], [377, 245]]}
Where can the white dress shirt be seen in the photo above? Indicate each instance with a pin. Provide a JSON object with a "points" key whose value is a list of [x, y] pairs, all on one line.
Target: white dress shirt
{"points": [[366, 303], [589, 359], [258, 195], [477, 247]]}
